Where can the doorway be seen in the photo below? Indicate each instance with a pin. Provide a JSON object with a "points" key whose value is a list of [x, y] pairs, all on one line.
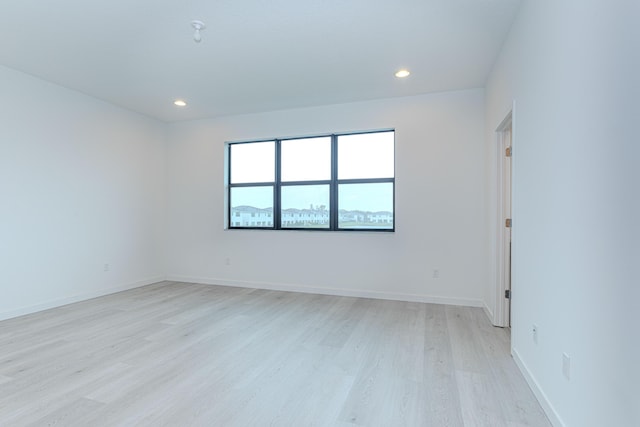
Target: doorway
{"points": [[504, 134]]}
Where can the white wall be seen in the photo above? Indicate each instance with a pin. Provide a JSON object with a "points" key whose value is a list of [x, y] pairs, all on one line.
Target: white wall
{"points": [[572, 69], [81, 185], [440, 212]]}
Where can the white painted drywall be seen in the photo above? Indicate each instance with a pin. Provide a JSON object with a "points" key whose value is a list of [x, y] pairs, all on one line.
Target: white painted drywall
{"points": [[572, 69], [81, 185], [440, 211]]}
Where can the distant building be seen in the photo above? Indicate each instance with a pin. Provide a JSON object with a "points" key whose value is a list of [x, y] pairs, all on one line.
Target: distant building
{"points": [[249, 216], [381, 217], [366, 217], [304, 217]]}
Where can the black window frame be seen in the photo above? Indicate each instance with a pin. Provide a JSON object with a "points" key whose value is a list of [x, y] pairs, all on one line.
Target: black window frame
{"points": [[333, 183]]}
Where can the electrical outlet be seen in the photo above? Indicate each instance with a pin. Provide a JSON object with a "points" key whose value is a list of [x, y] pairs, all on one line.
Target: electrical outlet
{"points": [[436, 274], [566, 366], [534, 333], [227, 261], [106, 267]]}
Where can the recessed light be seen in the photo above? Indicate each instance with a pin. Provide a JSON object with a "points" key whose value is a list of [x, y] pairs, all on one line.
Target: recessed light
{"points": [[402, 73], [179, 103]]}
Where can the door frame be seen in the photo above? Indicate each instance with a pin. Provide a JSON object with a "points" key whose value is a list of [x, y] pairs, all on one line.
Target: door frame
{"points": [[504, 255]]}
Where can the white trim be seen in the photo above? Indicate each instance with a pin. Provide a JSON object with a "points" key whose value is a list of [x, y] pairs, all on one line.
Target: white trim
{"points": [[77, 298], [551, 413], [468, 302], [507, 122], [487, 311]]}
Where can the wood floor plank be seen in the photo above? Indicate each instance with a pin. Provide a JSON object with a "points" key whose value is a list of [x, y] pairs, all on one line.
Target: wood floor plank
{"points": [[75, 413], [441, 401], [179, 354]]}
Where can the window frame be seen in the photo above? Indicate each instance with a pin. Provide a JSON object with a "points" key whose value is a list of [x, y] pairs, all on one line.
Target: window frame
{"points": [[334, 184]]}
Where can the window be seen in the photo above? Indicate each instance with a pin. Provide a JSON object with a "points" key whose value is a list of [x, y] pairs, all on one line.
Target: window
{"points": [[329, 182]]}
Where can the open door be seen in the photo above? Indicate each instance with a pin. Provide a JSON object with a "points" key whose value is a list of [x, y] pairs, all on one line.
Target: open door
{"points": [[505, 222]]}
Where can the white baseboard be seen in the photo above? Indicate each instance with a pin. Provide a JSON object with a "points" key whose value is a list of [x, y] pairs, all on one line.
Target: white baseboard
{"points": [[488, 312], [551, 413], [76, 298], [330, 291]]}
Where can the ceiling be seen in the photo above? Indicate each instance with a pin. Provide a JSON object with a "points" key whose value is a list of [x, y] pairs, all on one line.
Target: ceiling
{"points": [[255, 55]]}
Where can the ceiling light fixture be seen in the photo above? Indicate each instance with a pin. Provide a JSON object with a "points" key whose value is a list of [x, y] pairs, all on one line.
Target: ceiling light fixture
{"points": [[197, 26], [179, 103], [401, 74]]}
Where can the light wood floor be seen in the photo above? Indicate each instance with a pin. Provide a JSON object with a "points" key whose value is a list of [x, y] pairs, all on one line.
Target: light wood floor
{"points": [[176, 354]]}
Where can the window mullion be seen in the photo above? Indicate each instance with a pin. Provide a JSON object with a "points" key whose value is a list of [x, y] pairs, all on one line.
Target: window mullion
{"points": [[333, 188], [276, 189], [229, 210]]}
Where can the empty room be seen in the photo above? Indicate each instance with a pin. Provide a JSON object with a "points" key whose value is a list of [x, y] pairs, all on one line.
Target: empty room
{"points": [[319, 213]]}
